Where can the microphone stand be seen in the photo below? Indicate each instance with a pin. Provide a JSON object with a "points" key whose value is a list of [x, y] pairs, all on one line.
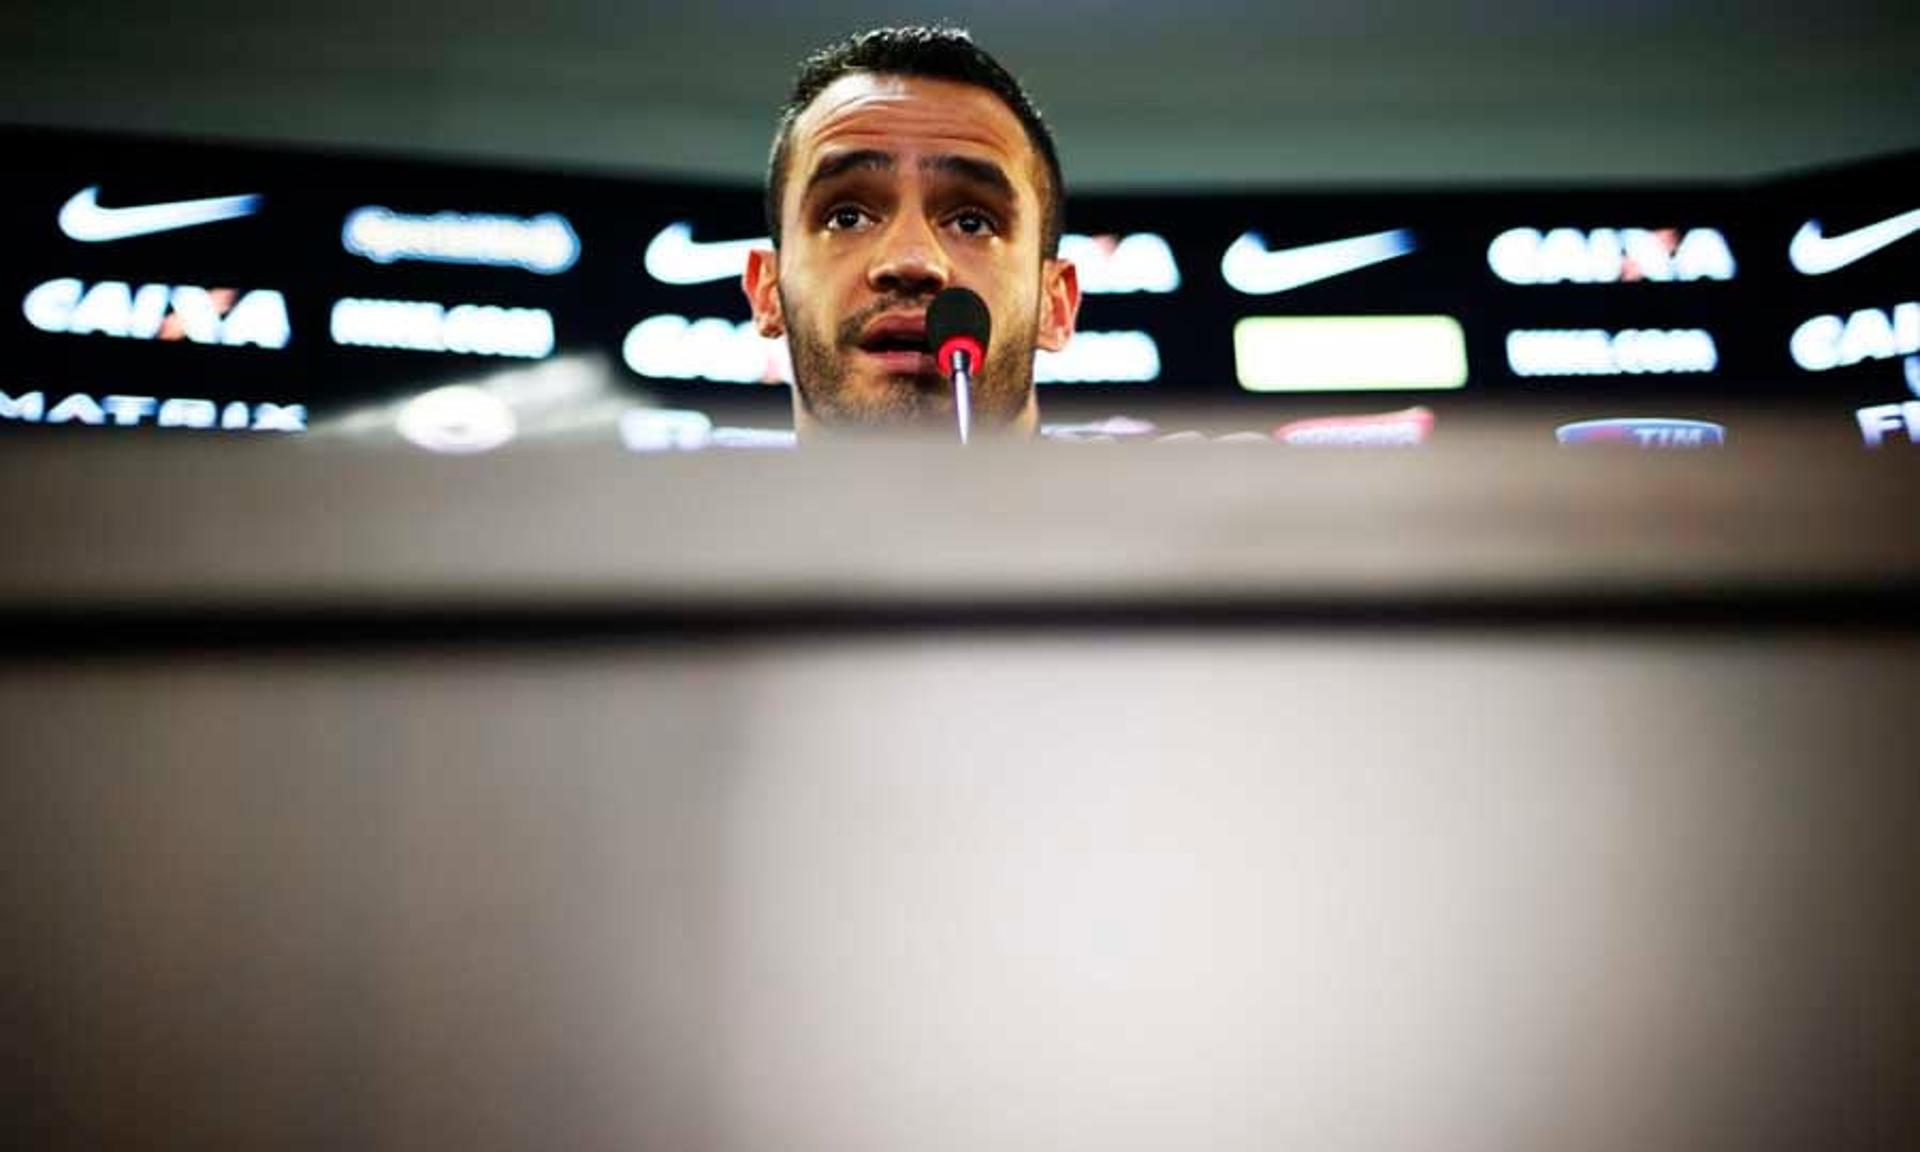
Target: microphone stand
{"points": [[962, 386]]}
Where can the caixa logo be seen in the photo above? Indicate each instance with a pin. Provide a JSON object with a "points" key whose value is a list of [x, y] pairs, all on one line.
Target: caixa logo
{"points": [[1644, 432], [1609, 255], [179, 312], [1108, 263], [133, 411], [1828, 342], [671, 347]]}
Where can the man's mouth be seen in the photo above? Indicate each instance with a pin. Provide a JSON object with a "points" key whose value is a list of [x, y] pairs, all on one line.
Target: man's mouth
{"points": [[899, 344]]}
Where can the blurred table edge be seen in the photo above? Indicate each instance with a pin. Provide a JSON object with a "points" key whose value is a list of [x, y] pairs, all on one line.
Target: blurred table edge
{"points": [[304, 532]]}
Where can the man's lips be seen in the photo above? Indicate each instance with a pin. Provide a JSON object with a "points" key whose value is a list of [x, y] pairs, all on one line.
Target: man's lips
{"points": [[904, 363], [898, 342]]}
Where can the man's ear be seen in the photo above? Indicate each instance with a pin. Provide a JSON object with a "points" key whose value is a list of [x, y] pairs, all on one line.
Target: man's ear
{"points": [[1059, 304], [761, 282]]}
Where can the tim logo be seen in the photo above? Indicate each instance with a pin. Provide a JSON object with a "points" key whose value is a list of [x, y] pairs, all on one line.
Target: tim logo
{"points": [[1644, 433]]}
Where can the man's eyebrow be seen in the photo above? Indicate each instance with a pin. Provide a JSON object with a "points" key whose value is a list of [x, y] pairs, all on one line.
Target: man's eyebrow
{"points": [[984, 172], [836, 166], [979, 171]]}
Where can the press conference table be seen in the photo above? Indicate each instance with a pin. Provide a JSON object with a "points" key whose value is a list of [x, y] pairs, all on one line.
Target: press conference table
{"points": [[1096, 797]]}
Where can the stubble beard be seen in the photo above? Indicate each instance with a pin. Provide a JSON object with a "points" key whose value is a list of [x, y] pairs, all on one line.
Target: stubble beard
{"points": [[1000, 387]]}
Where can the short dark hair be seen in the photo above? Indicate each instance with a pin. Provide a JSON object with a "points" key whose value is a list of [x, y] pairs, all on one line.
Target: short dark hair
{"points": [[935, 53]]}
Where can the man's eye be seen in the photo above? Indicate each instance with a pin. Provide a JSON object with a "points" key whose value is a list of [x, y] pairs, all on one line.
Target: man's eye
{"points": [[974, 223], [844, 218]]}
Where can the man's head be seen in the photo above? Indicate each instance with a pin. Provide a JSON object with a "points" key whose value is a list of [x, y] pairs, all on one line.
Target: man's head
{"points": [[908, 161]]}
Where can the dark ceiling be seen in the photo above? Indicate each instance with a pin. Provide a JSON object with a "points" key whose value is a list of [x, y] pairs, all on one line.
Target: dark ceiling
{"points": [[1205, 92]]}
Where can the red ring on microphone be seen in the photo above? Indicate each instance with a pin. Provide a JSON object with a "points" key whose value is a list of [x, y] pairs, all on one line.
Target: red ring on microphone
{"points": [[956, 344]]}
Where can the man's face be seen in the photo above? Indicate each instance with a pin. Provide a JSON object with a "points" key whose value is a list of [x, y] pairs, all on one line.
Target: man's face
{"points": [[896, 188]]}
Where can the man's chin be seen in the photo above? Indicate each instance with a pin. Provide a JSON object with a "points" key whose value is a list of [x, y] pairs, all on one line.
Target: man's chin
{"points": [[871, 400], [883, 407], [901, 399]]}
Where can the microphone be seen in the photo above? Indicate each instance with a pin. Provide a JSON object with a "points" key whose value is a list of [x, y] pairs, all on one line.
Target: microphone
{"points": [[958, 325]]}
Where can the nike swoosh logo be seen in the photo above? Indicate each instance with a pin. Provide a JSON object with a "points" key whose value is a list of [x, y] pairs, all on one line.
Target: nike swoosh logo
{"points": [[1250, 268], [1815, 255], [83, 219], [673, 257]]}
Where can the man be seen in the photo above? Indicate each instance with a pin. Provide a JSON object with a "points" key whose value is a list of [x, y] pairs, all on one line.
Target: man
{"points": [[908, 161]]}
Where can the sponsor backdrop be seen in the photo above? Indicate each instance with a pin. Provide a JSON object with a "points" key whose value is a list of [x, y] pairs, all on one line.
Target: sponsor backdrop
{"points": [[165, 285]]}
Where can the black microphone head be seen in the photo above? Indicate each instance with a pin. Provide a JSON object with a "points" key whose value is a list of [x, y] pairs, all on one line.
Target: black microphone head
{"points": [[958, 319]]}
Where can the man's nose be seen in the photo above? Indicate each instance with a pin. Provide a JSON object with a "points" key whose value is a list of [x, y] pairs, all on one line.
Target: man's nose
{"points": [[909, 260]]}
